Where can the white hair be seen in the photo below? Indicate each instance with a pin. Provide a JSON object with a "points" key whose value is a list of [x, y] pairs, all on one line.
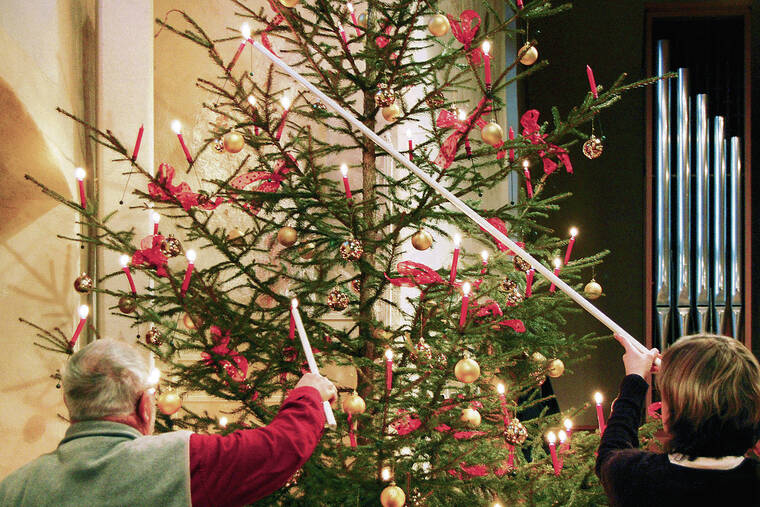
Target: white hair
{"points": [[105, 378]]}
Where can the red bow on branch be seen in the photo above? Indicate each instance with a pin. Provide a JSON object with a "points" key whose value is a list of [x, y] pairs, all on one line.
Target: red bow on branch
{"points": [[470, 470], [271, 181], [165, 191], [382, 41], [150, 254], [492, 310], [502, 227], [264, 37], [236, 366], [414, 274], [447, 119], [407, 423], [532, 131], [464, 29]]}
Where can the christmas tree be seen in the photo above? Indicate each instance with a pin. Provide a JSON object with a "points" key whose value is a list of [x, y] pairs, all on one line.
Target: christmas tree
{"points": [[448, 361]]}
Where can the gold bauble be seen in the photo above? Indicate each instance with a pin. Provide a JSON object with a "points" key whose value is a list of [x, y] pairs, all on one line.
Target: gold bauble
{"points": [[234, 142], [492, 134], [538, 358], [84, 284], [289, 3], [422, 240], [515, 433], [171, 246], [555, 368], [127, 304], [391, 113], [354, 404], [362, 18], [470, 417], [236, 238], [287, 236], [307, 250], [439, 25], [168, 402], [192, 322], [393, 496], [528, 54], [153, 336], [592, 290], [467, 370]]}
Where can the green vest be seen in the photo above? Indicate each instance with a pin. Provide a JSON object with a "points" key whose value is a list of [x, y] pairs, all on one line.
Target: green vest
{"points": [[103, 463]]}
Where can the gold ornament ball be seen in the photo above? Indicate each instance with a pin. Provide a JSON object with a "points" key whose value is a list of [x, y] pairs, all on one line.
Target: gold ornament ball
{"points": [[391, 113], [289, 3], [393, 496], [169, 402], [362, 18], [307, 250], [439, 25], [170, 246], [236, 238], [492, 134], [192, 322], [287, 236], [153, 336], [422, 240], [515, 433], [555, 368], [84, 284], [593, 147], [234, 142], [470, 417], [127, 304], [354, 404], [467, 370], [528, 54], [538, 358], [592, 290]]}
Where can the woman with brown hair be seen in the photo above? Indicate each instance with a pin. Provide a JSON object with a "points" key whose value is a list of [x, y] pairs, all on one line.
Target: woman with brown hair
{"points": [[710, 387]]}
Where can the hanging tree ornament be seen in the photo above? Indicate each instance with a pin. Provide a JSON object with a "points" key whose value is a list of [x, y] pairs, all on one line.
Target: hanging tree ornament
{"points": [[538, 367], [307, 250], [287, 236], [492, 134], [593, 147], [439, 25], [169, 402], [233, 142], [337, 300], [170, 246], [351, 250], [192, 322], [354, 404], [391, 113], [435, 100], [356, 285], [236, 238], [470, 417], [528, 54], [467, 370], [515, 433], [84, 284], [219, 146], [127, 304], [555, 368], [153, 336], [289, 3], [520, 264], [592, 290], [392, 496], [422, 240], [384, 96]]}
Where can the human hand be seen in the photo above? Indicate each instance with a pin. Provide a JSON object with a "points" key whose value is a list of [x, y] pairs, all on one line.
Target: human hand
{"points": [[326, 388], [637, 362]]}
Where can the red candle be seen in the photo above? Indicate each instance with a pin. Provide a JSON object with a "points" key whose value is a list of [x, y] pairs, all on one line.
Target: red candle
{"points": [[155, 217], [562, 437], [503, 397], [388, 369], [353, 17], [252, 102], [79, 174], [528, 184], [246, 31], [177, 128], [292, 330], [189, 272], [557, 264], [467, 148], [351, 435], [285, 101], [137, 143], [519, 4], [342, 33], [487, 57], [124, 260], [573, 234], [455, 260], [529, 282], [511, 150], [465, 303], [592, 82], [84, 311], [569, 431], [599, 411], [552, 438], [484, 256], [344, 172], [411, 145]]}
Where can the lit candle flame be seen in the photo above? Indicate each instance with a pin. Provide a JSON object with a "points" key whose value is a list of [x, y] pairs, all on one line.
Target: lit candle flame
{"points": [[344, 170], [223, 422], [154, 376], [500, 387], [245, 29], [562, 436], [176, 126], [484, 255], [551, 437], [466, 288], [155, 217], [191, 256], [294, 303], [285, 102], [385, 474], [462, 115], [252, 100], [486, 47], [568, 424], [84, 311], [573, 231], [598, 398], [350, 7], [124, 260], [457, 240], [79, 173], [526, 164], [389, 354], [557, 262]]}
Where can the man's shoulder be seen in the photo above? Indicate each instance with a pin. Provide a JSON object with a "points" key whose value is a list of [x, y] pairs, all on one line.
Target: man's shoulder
{"points": [[16, 480]]}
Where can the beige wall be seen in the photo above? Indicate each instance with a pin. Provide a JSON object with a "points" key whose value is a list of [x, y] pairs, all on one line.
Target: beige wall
{"points": [[44, 47]]}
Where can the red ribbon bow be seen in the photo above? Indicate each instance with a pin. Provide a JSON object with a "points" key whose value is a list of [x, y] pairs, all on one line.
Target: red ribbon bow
{"points": [[237, 366], [414, 274], [165, 191], [272, 181], [532, 131], [151, 254], [464, 29], [382, 41], [447, 119], [502, 227], [407, 423], [491, 309]]}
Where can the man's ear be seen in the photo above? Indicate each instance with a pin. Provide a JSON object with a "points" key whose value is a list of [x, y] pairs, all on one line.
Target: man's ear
{"points": [[144, 407]]}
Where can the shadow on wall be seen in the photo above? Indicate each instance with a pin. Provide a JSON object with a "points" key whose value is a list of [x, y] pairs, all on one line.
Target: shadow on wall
{"points": [[23, 150]]}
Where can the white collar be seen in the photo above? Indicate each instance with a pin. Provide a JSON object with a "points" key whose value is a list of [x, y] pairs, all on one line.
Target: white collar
{"points": [[724, 463]]}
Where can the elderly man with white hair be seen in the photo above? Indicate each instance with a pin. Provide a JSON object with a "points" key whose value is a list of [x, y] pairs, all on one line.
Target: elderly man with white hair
{"points": [[110, 457]]}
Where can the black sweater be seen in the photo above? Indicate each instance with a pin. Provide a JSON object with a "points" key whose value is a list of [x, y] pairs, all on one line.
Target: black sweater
{"points": [[638, 478]]}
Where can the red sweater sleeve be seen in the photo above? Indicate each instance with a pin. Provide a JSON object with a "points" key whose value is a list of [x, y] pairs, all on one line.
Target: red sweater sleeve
{"points": [[247, 465]]}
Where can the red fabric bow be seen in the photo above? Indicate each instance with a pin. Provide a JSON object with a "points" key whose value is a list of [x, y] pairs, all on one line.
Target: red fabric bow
{"points": [[165, 191], [502, 227], [272, 181], [470, 470], [237, 366], [491, 309], [382, 41], [653, 410], [414, 274], [447, 119], [151, 254], [407, 423], [532, 131], [464, 29]]}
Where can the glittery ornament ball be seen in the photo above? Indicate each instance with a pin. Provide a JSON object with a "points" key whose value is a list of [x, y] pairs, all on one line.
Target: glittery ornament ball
{"points": [[356, 285], [520, 264], [351, 250], [219, 146], [593, 147], [127, 304], [515, 433], [507, 285], [171, 247], [153, 336], [293, 481], [384, 96], [435, 100], [83, 284], [423, 351], [337, 300]]}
